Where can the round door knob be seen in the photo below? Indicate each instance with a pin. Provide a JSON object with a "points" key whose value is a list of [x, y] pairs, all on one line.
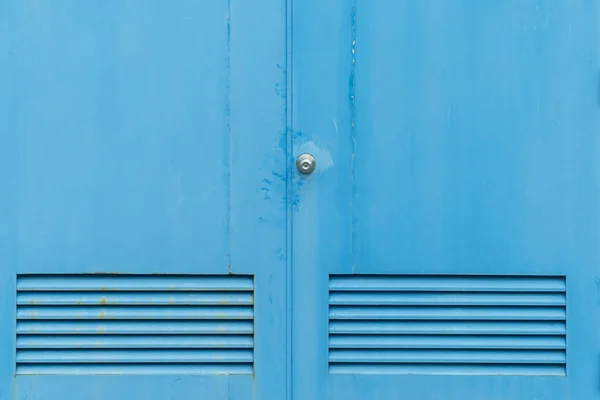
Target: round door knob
{"points": [[306, 163]]}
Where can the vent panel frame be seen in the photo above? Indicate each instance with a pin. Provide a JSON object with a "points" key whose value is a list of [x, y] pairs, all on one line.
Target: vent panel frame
{"points": [[445, 324], [84, 324]]}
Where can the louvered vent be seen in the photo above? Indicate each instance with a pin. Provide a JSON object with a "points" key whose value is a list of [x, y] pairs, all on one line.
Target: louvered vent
{"points": [[447, 324], [120, 324]]}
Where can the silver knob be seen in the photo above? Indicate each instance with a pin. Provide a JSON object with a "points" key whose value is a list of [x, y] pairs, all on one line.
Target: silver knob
{"points": [[306, 164]]}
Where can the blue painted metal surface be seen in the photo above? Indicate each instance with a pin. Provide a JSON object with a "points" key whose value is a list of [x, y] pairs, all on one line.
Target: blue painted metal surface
{"points": [[142, 137], [453, 137], [157, 242]]}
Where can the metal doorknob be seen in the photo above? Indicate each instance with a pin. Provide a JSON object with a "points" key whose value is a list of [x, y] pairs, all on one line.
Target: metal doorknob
{"points": [[306, 163]]}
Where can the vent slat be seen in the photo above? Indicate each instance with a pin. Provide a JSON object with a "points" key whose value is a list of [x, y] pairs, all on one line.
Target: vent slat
{"points": [[134, 327], [449, 327], [448, 356], [447, 324], [446, 342], [447, 298], [135, 356], [454, 283], [134, 312], [447, 313], [169, 283], [136, 369], [448, 369], [132, 342], [121, 324], [135, 298]]}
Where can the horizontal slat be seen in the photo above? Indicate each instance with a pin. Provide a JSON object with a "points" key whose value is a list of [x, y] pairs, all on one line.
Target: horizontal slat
{"points": [[448, 369], [133, 298], [446, 342], [135, 356], [448, 356], [58, 282], [449, 327], [453, 283], [135, 327], [132, 341], [443, 313], [136, 369], [447, 298], [134, 312]]}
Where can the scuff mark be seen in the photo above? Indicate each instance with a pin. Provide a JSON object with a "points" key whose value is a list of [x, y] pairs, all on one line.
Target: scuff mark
{"points": [[321, 154], [280, 90], [266, 189], [280, 176], [335, 125]]}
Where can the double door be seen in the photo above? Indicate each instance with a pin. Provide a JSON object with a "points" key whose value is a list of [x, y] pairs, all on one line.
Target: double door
{"points": [[158, 241]]}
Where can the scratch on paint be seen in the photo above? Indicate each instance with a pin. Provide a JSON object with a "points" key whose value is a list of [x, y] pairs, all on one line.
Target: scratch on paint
{"points": [[175, 381], [280, 176], [266, 189], [335, 125], [228, 121], [352, 90]]}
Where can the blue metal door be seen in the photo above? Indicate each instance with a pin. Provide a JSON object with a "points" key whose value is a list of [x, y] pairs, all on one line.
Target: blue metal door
{"points": [[446, 247], [152, 245], [142, 204]]}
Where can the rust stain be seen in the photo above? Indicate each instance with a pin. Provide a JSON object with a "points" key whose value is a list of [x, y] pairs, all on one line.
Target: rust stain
{"points": [[253, 382], [103, 300], [102, 314], [225, 302]]}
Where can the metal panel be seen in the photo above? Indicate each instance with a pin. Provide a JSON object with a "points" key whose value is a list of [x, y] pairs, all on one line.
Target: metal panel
{"points": [[141, 146], [455, 197]]}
